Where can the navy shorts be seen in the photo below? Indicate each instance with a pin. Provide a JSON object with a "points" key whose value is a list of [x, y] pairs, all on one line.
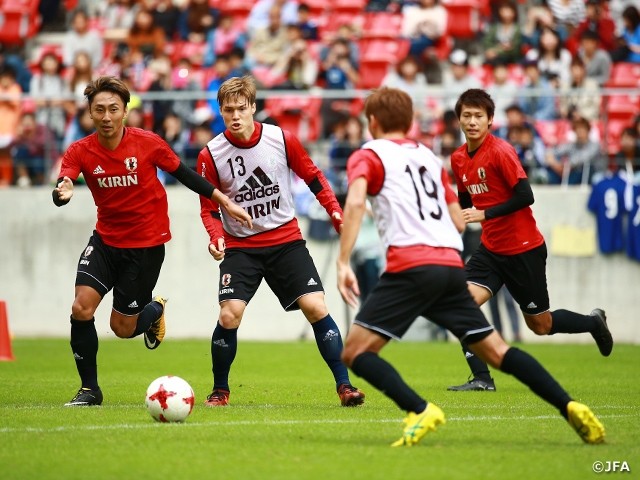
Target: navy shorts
{"points": [[436, 292], [524, 274], [132, 273], [288, 270]]}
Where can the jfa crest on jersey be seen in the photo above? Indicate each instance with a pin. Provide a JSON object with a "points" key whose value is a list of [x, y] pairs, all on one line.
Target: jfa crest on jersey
{"points": [[257, 179], [410, 208]]}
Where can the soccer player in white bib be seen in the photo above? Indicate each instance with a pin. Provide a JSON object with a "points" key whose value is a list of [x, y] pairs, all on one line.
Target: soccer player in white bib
{"points": [[251, 162], [419, 220]]}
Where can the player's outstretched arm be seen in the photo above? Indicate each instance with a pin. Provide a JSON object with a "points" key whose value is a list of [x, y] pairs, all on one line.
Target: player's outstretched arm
{"points": [[234, 211], [63, 192], [354, 209]]}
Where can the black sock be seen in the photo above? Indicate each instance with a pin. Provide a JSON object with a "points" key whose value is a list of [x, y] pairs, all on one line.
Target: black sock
{"points": [[150, 314], [565, 321], [224, 345], [384, 377], [84, 345], [527, 369], [329, 344], [479, 369]]}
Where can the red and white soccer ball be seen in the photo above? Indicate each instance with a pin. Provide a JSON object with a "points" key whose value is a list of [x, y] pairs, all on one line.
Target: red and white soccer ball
{"points": [[169, 399]]}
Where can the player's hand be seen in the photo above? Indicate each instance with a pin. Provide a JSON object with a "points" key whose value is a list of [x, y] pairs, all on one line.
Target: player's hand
{"points": [[348, 284], [65, 189], [336, 219], [216, 249], [471, 215], [238, 213]]}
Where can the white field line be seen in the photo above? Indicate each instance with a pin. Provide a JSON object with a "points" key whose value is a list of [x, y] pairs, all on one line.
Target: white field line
{"points": [[126, 426]]}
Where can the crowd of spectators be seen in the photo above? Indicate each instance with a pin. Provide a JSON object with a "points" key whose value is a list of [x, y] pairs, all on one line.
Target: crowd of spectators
{"points": [[555, 46]]}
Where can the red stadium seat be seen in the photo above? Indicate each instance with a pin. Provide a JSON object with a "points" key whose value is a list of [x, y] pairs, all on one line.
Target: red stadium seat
{"points": [[383, 50], [15, 26], [612, 134], [624, 75], [348, 6], [463, 18], [19, 6], [372, 74], [516, 74], [316, 7], [298, 115], [328, 29], [553, 132], [236, 7], [382, 25], [483, 73], [624, 107]]}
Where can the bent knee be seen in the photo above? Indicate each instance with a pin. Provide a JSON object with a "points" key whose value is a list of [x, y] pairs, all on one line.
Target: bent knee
{"points": [[82, 311], [229, 318]]}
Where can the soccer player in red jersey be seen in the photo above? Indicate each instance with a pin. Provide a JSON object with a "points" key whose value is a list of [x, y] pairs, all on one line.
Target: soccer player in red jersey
{"points": [[251, 162], [494, 190], [419, 220], [126, 250]]}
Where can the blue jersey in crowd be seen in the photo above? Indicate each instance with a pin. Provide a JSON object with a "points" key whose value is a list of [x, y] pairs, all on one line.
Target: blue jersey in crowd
{"points": [[607, 202], [633, 229]]}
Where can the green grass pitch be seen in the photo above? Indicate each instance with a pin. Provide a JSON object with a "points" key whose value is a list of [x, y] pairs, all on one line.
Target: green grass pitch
{"points": [[285, 421]]}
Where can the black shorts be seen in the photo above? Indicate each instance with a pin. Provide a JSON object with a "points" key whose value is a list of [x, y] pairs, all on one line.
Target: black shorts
{"points": [[132, 273], [435, 292], [287, 268], [524, 274]]}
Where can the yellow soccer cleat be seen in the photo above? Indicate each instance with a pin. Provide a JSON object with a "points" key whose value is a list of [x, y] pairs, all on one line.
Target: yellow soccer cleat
{"points": [[154, 336], [417, 425], [585, 423]]}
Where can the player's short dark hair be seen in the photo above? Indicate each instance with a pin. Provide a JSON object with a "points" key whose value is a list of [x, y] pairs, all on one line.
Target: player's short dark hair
{"points": [[476, 97], [107, 84], [392, 108], [237, 86]]}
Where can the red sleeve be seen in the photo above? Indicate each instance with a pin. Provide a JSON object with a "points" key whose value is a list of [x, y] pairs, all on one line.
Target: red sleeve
{"points": [[456, 177], [165, 158], [449, 194], [366, 163], [70, 163], [510, 167], [302, 165], [209, 210]]}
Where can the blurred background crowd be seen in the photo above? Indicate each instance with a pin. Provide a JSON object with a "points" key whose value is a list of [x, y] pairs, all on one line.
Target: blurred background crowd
{"points": [[564, 74]]}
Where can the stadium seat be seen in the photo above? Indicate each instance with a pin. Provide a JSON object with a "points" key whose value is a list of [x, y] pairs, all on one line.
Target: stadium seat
{"points": [[623, 107], [382, 25], [553, 132], [316, 7], [372, 74], [483, 73], [516, 74], [298, 115], [463, 18], [327, 29], [624, 75], [236, 7], [16, 27], [383, 50], [19, 6], [348, 6], [443, 47], [612, 134], [192, 51]]}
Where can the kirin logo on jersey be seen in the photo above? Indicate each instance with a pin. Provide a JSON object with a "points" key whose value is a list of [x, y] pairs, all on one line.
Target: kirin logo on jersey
{"points": [[131, 163]]}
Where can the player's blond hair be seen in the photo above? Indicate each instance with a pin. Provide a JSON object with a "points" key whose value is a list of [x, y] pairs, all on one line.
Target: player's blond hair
{"points": [[237, 87], [107, 84], [392, 108]]}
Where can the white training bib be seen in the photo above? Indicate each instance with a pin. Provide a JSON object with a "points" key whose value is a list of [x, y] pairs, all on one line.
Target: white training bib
{"points": [[256, 178], [411, 208]]}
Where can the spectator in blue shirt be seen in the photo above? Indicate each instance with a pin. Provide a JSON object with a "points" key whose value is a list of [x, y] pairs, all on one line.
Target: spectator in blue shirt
{"points": [[538, 107], [631, 34]]}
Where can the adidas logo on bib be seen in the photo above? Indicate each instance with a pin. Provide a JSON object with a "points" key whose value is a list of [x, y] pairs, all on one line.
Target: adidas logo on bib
{"points": [[133, 304], [311, 282], [532, 305]]}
